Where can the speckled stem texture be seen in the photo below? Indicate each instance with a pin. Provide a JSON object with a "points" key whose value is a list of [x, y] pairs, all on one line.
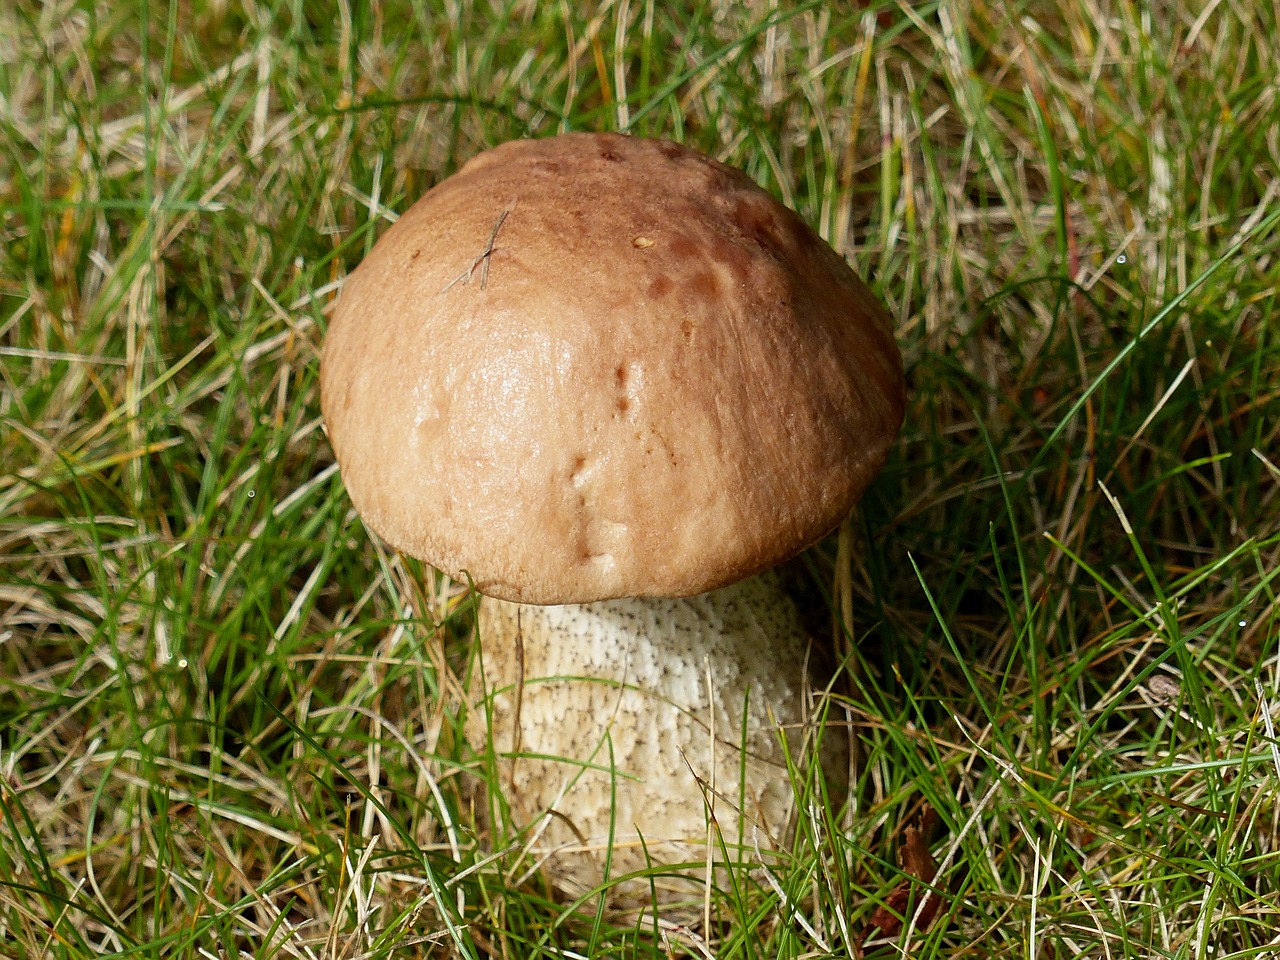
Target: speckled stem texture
{"points": [[653, 727]]}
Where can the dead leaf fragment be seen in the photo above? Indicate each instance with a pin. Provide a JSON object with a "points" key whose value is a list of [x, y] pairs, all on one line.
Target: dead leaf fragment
{"points": [[912, 893]]}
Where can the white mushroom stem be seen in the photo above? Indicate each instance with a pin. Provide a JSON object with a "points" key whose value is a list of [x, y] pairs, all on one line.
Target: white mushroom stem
{"points": [[652, 728]]}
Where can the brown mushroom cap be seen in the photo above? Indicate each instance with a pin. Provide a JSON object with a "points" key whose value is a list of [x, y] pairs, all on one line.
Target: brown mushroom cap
{"points": [[596, 366]]}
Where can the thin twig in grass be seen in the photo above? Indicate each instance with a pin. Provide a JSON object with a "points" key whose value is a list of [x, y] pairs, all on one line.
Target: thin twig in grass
{"points": [[60, 355], [481, 261], [1264, 708]]}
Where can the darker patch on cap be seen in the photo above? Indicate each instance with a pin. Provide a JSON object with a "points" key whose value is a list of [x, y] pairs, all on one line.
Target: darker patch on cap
{"points": [[759, 224], [659, 287], [682, 246], [705, 285]]}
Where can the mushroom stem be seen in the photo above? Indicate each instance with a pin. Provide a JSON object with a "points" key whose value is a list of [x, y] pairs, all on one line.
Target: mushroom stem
{"points": [[652, 731]]}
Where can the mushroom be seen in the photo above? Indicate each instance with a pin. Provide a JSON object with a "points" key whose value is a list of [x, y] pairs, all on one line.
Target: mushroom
{"points": [[613, 377]]}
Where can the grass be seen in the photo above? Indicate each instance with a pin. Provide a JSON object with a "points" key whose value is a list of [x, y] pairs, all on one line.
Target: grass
{"points": [[229, 719]]}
